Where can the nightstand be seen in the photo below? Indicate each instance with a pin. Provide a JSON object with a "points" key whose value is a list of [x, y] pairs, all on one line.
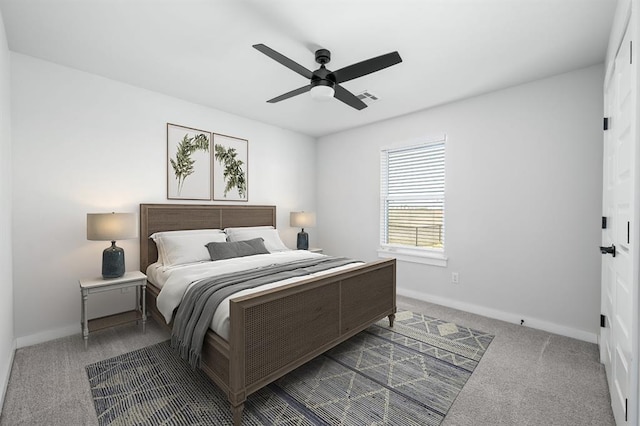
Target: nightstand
{"points": [[98, 285], [315, 250]]}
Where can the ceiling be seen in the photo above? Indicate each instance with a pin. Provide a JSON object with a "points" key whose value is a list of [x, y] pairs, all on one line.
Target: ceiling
{"points": [[200, 50]]}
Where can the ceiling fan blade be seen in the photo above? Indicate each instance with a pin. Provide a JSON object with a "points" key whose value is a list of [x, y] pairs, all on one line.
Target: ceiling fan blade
{"points": [[290, 94], [367, 67], [278, 57], [348, 98]]}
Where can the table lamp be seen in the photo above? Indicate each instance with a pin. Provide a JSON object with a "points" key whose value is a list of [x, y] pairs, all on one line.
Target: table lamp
{"points": [[112, 227], [302, 220]]}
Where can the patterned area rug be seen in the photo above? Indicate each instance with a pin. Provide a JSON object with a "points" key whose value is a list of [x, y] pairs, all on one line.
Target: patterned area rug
{"points": [[408, 375]]}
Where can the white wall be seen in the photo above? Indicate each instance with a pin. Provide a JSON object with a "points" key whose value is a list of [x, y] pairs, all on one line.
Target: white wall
{"points": [[7, 341], [523, 201], [523, 191], [83, 143]]}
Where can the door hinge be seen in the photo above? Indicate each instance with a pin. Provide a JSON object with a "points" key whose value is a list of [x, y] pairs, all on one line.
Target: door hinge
{"points": [[628, 232], [605, 125], [604, 222], [603, 321], [626, 409]]}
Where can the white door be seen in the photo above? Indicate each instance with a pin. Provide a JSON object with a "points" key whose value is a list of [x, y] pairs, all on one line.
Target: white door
{"points": [[606, 296], [619, 288]]}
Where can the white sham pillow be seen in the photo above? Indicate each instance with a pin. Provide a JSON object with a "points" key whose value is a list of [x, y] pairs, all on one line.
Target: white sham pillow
{"points": [[181, 247], [246, 228], [186, 232], [271, 238]]}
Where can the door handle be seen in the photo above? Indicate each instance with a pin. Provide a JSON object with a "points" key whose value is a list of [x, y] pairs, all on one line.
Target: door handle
{"points": [[610, 250]]}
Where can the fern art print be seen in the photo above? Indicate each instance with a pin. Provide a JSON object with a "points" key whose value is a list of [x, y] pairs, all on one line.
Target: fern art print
{"points": [[230, 167], [189, 163]]}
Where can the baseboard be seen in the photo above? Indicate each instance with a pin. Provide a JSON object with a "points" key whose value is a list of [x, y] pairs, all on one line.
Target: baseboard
{"points": [[503, 316], [45, 336], [5, 384]]}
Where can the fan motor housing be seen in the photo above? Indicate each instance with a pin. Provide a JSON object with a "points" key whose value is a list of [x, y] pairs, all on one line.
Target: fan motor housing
{"points": [[323, 56], [322, 82], [323, 77]]}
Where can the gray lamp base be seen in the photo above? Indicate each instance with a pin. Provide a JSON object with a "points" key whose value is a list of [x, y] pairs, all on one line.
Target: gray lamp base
{"points": [[303, 240], [112, 261]]}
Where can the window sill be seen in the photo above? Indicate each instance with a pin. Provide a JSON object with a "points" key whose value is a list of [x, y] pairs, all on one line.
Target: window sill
{"points": [[413, 255]]}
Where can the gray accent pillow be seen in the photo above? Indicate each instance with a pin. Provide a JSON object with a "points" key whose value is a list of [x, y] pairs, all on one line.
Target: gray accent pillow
{"points": [[229, 250]]}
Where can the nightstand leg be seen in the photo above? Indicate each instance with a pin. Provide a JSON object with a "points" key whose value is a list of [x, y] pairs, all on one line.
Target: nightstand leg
{"points": [[144, 308], [138, 307], [85, 322]]}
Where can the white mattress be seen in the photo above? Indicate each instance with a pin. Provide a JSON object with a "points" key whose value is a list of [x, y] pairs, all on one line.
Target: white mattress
{"points": [[174, 281]]}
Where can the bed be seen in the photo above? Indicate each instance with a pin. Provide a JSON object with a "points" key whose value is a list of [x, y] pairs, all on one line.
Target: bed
{"points": [[274, 331]]}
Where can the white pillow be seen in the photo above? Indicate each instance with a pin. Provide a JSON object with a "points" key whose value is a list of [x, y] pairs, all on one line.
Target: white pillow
{"points": [[186, 232], [246, 228], [180, 247], [271, 238]]}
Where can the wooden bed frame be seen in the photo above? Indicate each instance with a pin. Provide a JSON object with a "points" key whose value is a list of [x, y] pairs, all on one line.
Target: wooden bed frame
{"points": [[273, 331]]}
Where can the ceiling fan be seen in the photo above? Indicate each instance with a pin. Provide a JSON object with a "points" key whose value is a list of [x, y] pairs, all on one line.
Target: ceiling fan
{"points": [[325, 84]]}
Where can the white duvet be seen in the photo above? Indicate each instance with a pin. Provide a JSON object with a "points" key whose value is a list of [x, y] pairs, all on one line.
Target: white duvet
{"points": [[174, 281]]}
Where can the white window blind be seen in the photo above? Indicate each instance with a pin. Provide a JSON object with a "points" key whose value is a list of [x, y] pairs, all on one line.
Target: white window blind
{"points": [[412, 196]]}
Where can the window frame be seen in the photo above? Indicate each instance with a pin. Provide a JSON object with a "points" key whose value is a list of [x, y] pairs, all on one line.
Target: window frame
{"points": [[424, 255]]}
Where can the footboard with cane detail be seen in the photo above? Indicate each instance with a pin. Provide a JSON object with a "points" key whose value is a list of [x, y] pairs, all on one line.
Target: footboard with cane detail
{"points": [[278, 330]]}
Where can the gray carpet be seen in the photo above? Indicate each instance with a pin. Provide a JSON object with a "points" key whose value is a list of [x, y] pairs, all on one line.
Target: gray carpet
{"points": [[527, 377], [408, 375]]}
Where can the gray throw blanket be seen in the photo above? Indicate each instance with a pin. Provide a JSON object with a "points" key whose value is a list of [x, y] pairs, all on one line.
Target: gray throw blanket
{"points": [[201, 300]]}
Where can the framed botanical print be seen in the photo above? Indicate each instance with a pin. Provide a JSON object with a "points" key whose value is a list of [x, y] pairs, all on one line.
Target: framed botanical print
{"points": [[188, 163], [230, 168]]}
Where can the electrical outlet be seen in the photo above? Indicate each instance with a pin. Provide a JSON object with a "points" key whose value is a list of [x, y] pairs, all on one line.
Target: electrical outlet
{"points": [[455, 278]]}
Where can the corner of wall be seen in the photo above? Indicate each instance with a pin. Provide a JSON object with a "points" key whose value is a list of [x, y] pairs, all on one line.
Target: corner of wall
{"points": [[7, 334], [6, 374], [48, 335]]}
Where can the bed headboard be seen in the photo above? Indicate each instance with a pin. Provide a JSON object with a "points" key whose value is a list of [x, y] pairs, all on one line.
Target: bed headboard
{"points": [[174, 217]]}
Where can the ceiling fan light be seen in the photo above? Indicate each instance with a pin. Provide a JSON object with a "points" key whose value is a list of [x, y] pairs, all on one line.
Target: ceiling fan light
{"points": [[322, 93]]}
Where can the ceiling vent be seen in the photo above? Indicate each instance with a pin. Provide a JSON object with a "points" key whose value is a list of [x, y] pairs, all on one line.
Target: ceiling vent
{"points": [[367, 97]]}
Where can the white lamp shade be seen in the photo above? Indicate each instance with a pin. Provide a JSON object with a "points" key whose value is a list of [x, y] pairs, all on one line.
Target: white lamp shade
{"points": [[111, 226], [302, 219], [322, 93]]}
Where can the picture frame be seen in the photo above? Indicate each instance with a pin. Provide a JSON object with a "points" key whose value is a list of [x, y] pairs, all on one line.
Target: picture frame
{"points": [[230, 158], [188, 163]]}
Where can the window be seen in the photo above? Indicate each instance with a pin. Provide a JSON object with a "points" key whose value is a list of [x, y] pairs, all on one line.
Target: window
{"points": [[412, 202]]}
